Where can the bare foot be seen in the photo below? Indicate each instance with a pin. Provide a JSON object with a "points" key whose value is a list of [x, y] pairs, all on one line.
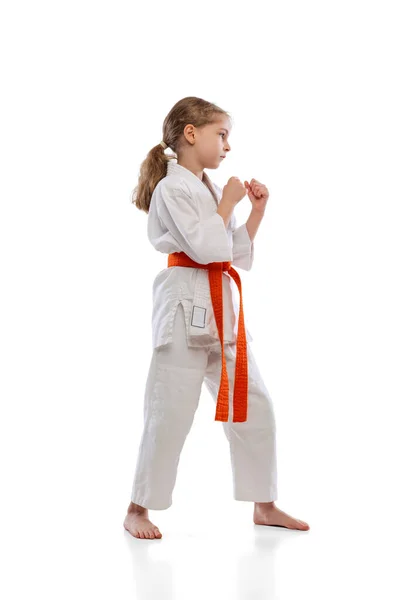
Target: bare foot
{"points": [[266, 513], [138, 524]]}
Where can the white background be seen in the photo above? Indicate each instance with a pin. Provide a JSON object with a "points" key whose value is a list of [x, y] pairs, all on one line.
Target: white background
{"points": [[313, 89]]}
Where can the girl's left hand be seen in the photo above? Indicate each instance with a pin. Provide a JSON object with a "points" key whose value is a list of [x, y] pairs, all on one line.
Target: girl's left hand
{"points": [[258, 194]]}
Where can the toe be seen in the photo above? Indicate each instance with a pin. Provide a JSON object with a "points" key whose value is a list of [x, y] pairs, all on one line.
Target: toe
{"points": [[151, 535]]}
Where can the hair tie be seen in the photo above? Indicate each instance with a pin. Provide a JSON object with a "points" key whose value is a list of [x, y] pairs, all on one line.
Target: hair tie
{"points": [[164, 145]]}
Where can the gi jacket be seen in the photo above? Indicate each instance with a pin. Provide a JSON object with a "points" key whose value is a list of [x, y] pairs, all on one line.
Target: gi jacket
{"points": [[183, 218]]}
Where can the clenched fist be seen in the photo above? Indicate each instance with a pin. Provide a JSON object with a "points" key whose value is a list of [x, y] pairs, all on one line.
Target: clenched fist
{"points": [[234, 190], [258, 194]]}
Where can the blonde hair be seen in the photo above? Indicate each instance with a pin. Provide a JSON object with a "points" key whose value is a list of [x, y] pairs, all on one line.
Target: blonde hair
{"points": [[197, 112]]}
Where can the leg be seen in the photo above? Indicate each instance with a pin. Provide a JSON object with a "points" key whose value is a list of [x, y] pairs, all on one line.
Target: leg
{"points": [[171, 398], [252, 443]]}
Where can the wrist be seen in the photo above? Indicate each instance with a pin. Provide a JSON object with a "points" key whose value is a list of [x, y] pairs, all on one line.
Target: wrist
{"points": [[258, 211], [228, 200]]}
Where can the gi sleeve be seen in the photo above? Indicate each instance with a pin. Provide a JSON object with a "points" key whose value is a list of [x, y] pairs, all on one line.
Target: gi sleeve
{"points": [[205, 240], [243, 247]]}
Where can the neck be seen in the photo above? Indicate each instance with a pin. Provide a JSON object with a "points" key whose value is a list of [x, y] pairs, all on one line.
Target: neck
{"points": [[192, 166]]}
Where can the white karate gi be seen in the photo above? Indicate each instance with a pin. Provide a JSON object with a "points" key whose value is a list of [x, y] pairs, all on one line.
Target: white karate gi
{"points": [[187, 349]]}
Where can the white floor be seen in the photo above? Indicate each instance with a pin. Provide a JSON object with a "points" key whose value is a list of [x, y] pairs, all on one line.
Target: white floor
{"points": [[62, 525], [81, 551]]}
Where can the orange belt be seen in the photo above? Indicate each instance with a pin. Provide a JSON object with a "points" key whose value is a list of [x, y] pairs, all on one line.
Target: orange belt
{"points": [[180, 259]]}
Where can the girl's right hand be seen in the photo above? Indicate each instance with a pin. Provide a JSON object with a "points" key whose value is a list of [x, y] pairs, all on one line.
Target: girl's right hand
{"points": [[234, 190]]}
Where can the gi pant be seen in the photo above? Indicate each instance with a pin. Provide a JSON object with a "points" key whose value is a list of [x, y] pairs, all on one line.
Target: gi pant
{"points": [[172, 394]]}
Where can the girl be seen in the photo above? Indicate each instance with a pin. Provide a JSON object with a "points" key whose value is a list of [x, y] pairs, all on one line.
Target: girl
{"points": [[199, 334]]}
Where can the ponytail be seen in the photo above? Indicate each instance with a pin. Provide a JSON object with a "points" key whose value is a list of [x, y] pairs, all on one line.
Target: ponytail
{"points": [[152, 170]]}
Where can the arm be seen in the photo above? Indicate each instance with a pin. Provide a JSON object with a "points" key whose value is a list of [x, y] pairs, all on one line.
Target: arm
{"points": [[225, 209], [242, 244], [243, 247], [204, 240], [243, 238], [253, 222]]}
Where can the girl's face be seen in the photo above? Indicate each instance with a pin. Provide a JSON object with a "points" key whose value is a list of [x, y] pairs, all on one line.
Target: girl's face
{"points": [[212, 143]]}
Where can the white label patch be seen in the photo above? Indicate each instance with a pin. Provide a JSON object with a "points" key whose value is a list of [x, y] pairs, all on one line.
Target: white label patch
{"points": [[199, 316]]}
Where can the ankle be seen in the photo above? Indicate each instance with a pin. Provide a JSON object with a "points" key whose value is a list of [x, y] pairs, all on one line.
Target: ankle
{"points": [[264, 505], [136, 508]]}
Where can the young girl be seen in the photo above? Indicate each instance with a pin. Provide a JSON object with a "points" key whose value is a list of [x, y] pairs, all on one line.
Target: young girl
{"points": [[199, 334]]}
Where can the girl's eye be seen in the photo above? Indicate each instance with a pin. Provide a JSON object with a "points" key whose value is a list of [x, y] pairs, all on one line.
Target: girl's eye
{"points": [[222, 134]]}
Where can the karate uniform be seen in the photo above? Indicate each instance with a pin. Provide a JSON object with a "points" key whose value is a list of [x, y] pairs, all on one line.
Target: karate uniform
{"points": [[187, 348]]}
